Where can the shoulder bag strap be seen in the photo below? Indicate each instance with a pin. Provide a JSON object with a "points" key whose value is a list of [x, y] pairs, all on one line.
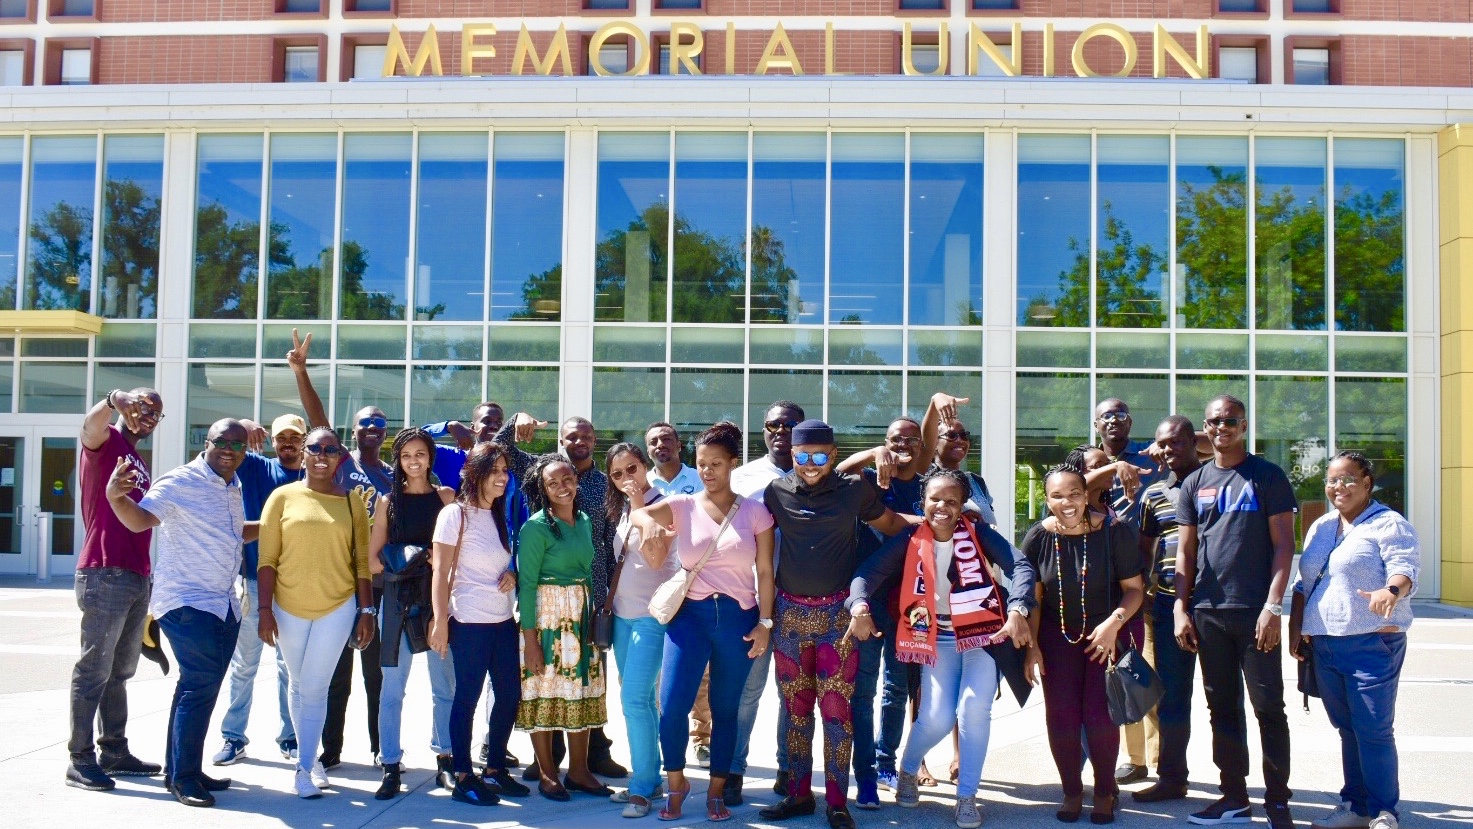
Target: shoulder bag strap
{"points": [[455, 556], [1326, 568], [711, 548]]}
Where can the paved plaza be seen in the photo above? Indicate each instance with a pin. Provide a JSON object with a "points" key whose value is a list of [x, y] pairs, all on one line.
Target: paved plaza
{"points": [[38, 642]]}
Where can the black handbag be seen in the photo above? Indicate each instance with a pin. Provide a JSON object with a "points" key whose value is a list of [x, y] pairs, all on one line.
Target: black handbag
{"points": [[1132, 687]]}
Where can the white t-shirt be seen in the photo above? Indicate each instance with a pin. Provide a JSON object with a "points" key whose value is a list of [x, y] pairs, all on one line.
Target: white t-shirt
{"points": [[751, 478], [474, 597], [943, 551]]}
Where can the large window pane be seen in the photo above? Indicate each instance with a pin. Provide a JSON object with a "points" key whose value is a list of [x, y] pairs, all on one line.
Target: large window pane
{"points": [[1148, 395], [11, 150], [701, 397], [920, 385], [1132, 222], [302, 204], [1053, 418], [866, 258], [527, 227], [220, 390], [1212, 232], [633, 226], [450, 277], [1194, 390], [129, 376], [376, 173], [1292, 429], [132, 191], [710, 220], [532, 390], [444, 393], [626, 401], [227, 226], [788, 221], [279, 389], [862, 404], [59, 252], [1370, 229], [1290, 183], [53, 388], [1053, 230], [1371, 418], [359, 386], [946, 229], [765, 387]]}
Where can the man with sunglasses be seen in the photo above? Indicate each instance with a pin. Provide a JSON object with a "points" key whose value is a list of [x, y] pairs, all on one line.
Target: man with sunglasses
{"points": [[1235, 545], [200, 515], [112, 588], [817, 513]]}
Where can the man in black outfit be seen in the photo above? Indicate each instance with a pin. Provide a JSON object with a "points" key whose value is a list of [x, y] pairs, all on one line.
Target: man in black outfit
{"points": [[1235, 522]]}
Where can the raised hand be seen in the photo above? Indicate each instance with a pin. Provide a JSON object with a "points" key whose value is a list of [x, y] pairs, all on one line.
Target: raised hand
{"points": [[946, 405], [255, 435], [123, 480], [526, 426], [297, 357]]}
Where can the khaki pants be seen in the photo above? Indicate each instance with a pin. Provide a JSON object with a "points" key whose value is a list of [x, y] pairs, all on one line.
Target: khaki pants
{"points": [[1142, 741], [700, 713]]}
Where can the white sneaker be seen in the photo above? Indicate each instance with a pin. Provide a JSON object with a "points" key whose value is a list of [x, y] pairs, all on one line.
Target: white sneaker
{"points": [[968, 814], [703, 756], [306, 789], [1343, 817], [622, 795], [1385, 820], [318, 774]]}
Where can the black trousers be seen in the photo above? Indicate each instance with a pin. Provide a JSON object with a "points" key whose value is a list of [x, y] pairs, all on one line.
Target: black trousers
{"points": [[341, 688], [1227, 649]]}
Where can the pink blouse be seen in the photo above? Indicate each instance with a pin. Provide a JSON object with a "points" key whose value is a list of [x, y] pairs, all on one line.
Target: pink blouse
{"points": [[730, 570]]}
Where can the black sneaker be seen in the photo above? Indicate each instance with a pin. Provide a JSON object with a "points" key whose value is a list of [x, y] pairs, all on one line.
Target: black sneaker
{"points": [[511, 760], [191, 792], [389, 788], [1222, 811], [508, 785], [1279, 816], [288, 749], [88, 776], [732, 794], [129, 766], [330, 761], [471, 789], [840, 818]]}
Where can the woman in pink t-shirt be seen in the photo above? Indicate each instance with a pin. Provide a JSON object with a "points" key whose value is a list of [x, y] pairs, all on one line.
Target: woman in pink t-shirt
{"points": [[726, 619]]}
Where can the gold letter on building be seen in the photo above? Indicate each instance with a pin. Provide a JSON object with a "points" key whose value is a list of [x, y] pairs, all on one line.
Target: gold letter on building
{"points": [[641, 43], [978, 41], [771, 59], [470, 50], [1116, 34], [1162, 44], [683, 52], [943, 52], [395, 55], [557, 50], [828, 51]]}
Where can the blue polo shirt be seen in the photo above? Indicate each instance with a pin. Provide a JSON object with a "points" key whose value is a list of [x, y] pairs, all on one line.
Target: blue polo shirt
{"points": [[259, 477]]}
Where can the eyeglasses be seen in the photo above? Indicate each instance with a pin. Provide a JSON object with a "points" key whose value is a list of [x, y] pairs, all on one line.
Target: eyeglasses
{"points": [[811, 459], [232, 445], [904, 440], [1225, 422], [144, 411], [1347, 481], [327, 449], [373, 422], [956, 434], [775, 426], [1114, 417]]}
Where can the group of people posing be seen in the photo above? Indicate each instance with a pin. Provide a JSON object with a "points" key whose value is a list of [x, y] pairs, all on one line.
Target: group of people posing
{"points": [[880, 574]]}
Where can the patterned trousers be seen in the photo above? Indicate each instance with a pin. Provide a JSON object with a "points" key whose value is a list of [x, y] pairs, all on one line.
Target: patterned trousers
{"points": [[816, 666]]}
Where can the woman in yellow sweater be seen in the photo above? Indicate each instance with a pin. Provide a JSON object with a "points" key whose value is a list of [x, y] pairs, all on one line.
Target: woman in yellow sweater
{"points": [[314, 560]]}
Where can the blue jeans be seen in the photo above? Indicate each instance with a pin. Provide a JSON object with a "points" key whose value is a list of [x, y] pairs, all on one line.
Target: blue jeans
{"points": [[1178, 671], [243, 666], [484, 652], [639, 648], [1358, 677], [705, 631], [747, 716], [114, 605], [877, 749], [202, 643], [956, 691], [391, 702]]}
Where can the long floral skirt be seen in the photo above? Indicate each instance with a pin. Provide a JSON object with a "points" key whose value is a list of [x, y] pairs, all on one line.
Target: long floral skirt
{"points": [[568, 695]]}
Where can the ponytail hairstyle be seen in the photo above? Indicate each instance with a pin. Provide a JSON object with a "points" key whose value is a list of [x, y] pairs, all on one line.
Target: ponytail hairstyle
{"points": [[400, 479], [725, 435], [479, 463], [536, 495], [614, 498]]}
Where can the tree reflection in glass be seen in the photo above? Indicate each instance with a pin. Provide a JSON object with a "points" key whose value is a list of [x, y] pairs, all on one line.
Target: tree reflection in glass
{"points": [[227, 226], [132, 191], [1289, 179], [1212, 232], [633, 226], [376, 176], [1053, 229], [12, 149], [59, 252], [303, 201], [1370, 231]]}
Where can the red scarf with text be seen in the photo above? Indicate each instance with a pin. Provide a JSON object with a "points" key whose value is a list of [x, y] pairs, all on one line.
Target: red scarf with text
{"points": [[976, 607]]}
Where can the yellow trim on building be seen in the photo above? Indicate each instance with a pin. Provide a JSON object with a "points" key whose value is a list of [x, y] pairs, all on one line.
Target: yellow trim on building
{"points": [[50, 322], [1455, 244]]}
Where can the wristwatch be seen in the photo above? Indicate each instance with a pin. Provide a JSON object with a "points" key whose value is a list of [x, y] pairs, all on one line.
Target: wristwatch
{"points": [[1395, 591], [367, 611], [767, 623], [1276, 608]]}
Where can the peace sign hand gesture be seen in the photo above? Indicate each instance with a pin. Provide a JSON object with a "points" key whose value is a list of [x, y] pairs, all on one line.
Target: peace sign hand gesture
{"points": [[297, 357]]}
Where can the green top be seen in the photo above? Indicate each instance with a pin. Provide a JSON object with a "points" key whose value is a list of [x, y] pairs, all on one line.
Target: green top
{"points": [[543, 558]]}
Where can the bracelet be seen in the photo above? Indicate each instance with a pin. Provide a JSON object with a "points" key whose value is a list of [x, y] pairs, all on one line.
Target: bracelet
{"points": [[109, 399], [864, 615]]}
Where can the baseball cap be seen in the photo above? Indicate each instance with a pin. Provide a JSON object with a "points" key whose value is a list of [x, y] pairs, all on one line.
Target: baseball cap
{"points": [[288, 423]]}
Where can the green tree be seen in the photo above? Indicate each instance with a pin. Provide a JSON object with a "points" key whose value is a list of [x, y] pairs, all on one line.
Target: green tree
{"points": [[1125, 276], [130, 249], [60, 267], [1370, 262], [1212, 250]]}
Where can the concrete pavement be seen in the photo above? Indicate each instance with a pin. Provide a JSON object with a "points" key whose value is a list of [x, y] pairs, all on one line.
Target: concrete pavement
{"points": [[38, 641]]}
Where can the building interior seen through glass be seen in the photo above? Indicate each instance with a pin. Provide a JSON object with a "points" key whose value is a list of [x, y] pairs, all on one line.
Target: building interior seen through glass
{"points": [[842, 270]]}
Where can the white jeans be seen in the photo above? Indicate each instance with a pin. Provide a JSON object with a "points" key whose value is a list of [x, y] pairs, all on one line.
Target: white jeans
{"points": [[311, 648]]}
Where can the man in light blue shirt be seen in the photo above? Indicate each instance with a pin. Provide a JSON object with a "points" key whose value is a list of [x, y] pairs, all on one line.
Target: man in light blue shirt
{"points": [[668, 473]]}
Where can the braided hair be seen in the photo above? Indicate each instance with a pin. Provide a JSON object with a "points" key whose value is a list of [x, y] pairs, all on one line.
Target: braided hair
{"points": [[1068, 467], [1367, 469], [614, 498], [955, 476], [536, 494], [400, 478], [479, 464]]}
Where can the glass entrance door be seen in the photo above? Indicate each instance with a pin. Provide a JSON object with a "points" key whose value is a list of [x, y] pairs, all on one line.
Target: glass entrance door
{"points": [[38, 482]]}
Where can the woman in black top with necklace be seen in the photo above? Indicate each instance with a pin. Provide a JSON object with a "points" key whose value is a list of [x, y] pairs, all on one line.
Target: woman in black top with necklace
{"points": [[1089, 584]]}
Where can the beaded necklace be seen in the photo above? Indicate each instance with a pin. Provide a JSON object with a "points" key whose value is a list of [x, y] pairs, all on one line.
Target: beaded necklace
{"points": [[1083, 577]]}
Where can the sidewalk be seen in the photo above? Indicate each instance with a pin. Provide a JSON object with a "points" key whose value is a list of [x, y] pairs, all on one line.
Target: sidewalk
{"points": [[38, 640]]}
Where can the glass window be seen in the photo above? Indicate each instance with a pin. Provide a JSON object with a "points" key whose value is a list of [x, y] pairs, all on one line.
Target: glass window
{"points": [[450, 280], [14, 8], [375, 246], [220, 390], [359, 386], [370, 342], [989, 68], [7, 384], [1211, 232], [613, 55], [444, 392], [59, 252], [1053, 348], [73, 8], [132, 193], [303, 201], [1312, 67], [607, 5], [533, 390], [1370, 232], [788, 221], [787, 346], [864, 347], [701, 397], [53, 388], [1053, 414], [125, 376], [447, 342], [1132, 255], [1193, 391], [628, 344], [1371, 418], [54, 347], [300, 64], [707, 345], [12, 67], [1292, 429], [527, 228], [369, 5], [1365, 353], [1314, 6], [227, 226], [764, 387], [925, 58], [1238, 63], [279, 388], [1148, 395], [868, 229], [862, 405], [920, 385], [1240, 5], [1292, 352], [1114, 349], [12, 149], [299, 6], [946, 229], [633, 226], [122, 339], [76, 67], [945, 348], [1212, 352], [710, 267], [626, 400], [368, 60], [1290, 183], [995, 5], [664, 67], [215, 341], [1053, 230], [533, 343], [679, 4]]}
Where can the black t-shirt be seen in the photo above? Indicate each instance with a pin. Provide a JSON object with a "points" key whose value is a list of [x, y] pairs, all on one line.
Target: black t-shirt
{"points": [[1230, 509], [1113, 555], [818, 530]]}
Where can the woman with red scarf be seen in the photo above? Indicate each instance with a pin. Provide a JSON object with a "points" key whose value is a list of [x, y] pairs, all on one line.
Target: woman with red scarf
{"points": [[951, 610]]}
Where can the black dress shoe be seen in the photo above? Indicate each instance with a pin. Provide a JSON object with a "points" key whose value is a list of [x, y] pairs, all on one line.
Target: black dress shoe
{"points": [[389, 788], [445, 772], [558, 794], [532, 772], [1161, 792], [790, 807], [780, 785], [840, 818], [511, 761], [214, 784], [574, 786], [191, 792], [1131, 773], [606, 767], [732, 794]]}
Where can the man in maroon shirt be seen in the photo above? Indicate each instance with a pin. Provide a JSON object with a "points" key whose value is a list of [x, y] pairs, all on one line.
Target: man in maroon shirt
{"points": [[112, 586]]}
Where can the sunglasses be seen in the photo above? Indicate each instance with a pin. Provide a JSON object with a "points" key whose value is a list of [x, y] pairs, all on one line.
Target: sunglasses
{"points": [[776, 426], [328, 449], [1114, 417], [232, 445], [1224, 422], [144, 411], [811, 459], [904, 440], [373, 422], [956, 435], [1347, 481]]}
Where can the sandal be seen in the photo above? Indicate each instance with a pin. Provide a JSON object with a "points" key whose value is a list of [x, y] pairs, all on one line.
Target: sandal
{"points": [[673, 803], [716, 809], [924, 777], [1103, 811]]}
